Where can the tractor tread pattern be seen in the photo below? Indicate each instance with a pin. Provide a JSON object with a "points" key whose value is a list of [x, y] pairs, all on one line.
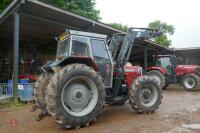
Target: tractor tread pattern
{"points": [[134, 100], [39, 90]]}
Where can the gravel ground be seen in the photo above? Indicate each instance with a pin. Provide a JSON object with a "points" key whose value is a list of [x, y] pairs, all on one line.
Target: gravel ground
{"points": [[178, 110]]}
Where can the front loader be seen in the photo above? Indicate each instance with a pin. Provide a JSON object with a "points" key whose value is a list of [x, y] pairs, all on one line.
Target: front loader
{"points": [[89, 72]]}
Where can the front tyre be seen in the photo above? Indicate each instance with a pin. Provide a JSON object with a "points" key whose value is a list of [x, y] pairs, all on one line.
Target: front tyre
{"points": [[145, 95], [191, 82], [75, 96], [159, 76]]}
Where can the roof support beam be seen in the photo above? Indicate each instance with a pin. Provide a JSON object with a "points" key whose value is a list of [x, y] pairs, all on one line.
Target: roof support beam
{"points": [[145, 58], [15, 56]]}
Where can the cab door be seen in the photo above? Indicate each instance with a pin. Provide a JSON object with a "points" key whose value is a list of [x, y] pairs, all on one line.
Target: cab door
{"points": [[103, 60]]}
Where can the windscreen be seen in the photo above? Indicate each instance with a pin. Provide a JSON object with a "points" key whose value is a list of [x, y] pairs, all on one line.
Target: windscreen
{"points": [[80, 46], [63, 49]]}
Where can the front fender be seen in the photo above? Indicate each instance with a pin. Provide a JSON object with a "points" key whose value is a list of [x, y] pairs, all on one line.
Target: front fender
{"points": [[161, 69]]}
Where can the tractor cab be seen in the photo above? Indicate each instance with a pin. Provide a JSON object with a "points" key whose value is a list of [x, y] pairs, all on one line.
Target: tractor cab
{"points": [[86, 48], [167, 62]]}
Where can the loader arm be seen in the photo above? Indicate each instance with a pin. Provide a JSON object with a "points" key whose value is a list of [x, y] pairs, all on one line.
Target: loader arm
{"points": [[127, 41]]}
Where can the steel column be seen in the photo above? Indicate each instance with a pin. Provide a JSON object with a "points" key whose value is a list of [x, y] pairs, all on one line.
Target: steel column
{"points": [[15, 56], [145, 58]]}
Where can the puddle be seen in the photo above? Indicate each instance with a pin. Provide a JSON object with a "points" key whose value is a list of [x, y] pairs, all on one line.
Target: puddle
{"points": [[180, 130], [192, 126]]}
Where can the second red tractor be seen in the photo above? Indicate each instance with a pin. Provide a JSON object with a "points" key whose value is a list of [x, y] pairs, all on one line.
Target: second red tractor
{"points": [[167, 71]]}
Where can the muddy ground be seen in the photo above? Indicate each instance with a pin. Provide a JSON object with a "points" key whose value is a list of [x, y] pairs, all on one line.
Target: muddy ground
{"points": [[177, 109]]}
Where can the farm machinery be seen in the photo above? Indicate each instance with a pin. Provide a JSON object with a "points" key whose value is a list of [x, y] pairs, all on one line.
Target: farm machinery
{"points": [[91, 71], [167, 71]]}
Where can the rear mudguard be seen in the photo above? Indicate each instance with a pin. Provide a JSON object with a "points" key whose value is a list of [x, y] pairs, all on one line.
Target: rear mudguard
{"points": [[50, 66], [161, 69]]}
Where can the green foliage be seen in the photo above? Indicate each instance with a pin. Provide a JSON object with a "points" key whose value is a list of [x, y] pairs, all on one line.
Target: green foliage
{"points": [[164, 27], [163, 40], [84, 8], [119, 26], [4, 4]]}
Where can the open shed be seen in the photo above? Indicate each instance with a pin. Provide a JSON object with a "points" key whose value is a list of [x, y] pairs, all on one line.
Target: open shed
{"points": [[28, 27]]}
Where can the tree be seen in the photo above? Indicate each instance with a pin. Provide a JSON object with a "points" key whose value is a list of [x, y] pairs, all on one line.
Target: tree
{"points": [[84, 8], [164, 27], [119, 26], [4, 4]]}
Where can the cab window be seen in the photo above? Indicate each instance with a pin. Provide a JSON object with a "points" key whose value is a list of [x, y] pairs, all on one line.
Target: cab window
{"points": [[102, 59], [80, 46]]}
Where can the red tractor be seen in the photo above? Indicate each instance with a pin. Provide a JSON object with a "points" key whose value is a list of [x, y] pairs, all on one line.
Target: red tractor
{"points": [[167, 71], [87, 74]]}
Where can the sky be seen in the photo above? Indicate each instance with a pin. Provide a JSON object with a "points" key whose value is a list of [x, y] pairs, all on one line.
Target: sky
{"points": [[184, 15]]}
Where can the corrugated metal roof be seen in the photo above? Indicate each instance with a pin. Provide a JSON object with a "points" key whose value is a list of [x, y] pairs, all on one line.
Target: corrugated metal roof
{"points": [[43, 10], [40, 23]]}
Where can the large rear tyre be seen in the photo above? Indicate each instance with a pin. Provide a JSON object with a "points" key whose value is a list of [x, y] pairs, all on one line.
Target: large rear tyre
{"points": [[191, 82], [158, 76], [145, 95], [39, 90], [75, 96]]}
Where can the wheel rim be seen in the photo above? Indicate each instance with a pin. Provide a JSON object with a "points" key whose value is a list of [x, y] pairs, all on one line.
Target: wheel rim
{"points": [[148, 95], [79, 96], [189, 82], [157, 78]]}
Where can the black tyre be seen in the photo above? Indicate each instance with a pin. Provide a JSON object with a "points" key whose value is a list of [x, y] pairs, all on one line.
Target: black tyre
{"points": [[75, 96], [145, 95], [39, 90], [191, 82], [159, 76]]}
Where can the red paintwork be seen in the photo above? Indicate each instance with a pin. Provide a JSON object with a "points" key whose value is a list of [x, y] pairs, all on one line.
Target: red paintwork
{"points": [[30, 77], [161, 69], [184, 69], [180, 69], [132, 72]]}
